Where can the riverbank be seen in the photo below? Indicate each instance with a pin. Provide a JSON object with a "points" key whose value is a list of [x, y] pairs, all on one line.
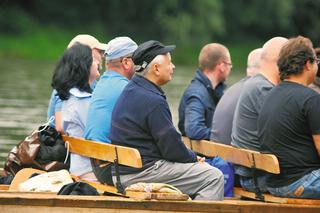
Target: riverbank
{"points": [[49, 43]]}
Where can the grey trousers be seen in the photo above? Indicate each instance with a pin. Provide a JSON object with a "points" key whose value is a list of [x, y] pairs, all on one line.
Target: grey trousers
{"points": [[198, 180]]}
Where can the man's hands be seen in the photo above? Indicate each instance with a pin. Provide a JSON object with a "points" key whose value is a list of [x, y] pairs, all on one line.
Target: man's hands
{"points": [[201, 159]]}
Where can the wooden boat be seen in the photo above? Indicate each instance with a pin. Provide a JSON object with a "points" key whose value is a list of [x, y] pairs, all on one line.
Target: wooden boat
{"points": [[46, 202], [12, 200]]}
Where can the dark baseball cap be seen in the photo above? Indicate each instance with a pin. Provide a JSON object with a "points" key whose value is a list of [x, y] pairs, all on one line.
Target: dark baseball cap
{"points": [[147, 51]]}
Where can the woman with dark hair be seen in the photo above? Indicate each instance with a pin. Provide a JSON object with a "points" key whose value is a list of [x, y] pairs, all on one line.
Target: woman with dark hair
{"points": [[72, 79], [54, 108]]}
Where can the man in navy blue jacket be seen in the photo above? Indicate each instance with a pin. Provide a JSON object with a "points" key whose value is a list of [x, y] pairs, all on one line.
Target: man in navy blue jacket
{"points": [[199, 101], [142, 119]]}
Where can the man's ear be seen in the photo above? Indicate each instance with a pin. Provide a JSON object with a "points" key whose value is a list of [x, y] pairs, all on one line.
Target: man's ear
{"points": [[308, 65], [125, 63], [156, 69]]}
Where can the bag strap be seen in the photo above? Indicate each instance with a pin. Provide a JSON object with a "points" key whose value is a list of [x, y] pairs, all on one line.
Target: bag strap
{"points": [[45, 125], [68, 151]]}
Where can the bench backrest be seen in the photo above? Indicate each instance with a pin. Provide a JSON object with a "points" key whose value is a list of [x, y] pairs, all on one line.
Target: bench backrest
{"points": [[243, 157], [104, 151]]}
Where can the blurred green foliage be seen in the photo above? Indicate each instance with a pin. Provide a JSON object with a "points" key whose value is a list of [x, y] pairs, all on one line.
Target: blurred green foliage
{"points": [[42, 29]]}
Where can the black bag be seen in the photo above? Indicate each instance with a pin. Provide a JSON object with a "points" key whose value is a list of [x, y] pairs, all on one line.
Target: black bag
{"points": [[78, 188], [6, 180], [102, 170], [42, 149]]}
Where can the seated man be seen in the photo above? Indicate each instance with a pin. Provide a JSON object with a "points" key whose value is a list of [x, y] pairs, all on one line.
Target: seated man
{"points": [[120, 69], [223, 115], [199, 101], [244, 125], [141, 119], [289, 124]]}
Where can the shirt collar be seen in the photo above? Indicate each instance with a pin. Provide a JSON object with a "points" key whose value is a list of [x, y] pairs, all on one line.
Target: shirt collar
{"points": [[148, 85], [111, 73], [79, 94]]}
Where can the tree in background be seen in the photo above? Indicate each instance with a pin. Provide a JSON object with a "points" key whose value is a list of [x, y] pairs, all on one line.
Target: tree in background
{"points": [[187, 23]]}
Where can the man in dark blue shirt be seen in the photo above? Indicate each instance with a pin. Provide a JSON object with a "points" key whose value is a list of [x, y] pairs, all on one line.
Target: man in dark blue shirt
{"points": [[142, 119], [199, 101]]}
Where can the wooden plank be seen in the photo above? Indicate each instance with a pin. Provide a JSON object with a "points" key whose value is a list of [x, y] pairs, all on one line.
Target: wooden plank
{"points": [[267, 162], [156, 196], [138, 195], [4, 187], [212, 149], [57, 209], [24, 202], [235, 155], [103, 151], [240, 192], [21, 176]]}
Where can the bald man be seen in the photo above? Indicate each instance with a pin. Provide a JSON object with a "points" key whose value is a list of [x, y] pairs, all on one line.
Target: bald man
{"points": [[244, 129], [202, 95], [253, 63], [223, 115]]}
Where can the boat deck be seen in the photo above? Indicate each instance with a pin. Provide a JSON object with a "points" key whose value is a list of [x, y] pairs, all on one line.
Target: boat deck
{"points": [[31, 202]]}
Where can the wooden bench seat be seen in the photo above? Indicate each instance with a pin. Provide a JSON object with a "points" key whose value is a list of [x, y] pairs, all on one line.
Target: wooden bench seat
{"points": [[106, 152], [250, 159], [244, 157]]}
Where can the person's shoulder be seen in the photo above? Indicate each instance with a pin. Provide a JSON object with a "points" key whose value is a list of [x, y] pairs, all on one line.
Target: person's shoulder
{"points": [[236, 87], [110, 85], [195, 89], [112, 79], [308, 92], [257, 83]]}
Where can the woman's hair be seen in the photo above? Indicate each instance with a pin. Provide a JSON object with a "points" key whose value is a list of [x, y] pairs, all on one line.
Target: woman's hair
{"points": [[73, 70], [294, 55]]}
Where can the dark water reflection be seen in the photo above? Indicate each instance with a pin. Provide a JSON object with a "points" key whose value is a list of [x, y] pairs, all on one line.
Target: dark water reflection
{"points": [[25, 90]]}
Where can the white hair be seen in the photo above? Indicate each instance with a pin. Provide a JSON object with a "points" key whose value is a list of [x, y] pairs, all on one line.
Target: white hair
{"points": [[159, 59]]}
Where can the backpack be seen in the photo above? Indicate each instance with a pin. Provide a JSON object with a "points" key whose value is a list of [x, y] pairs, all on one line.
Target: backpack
{"points": [[228, 171]]}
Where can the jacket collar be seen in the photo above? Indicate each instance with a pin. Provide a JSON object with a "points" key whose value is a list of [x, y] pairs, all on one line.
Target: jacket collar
{"points": [[217, 92], [203, 79], [148, 85]]}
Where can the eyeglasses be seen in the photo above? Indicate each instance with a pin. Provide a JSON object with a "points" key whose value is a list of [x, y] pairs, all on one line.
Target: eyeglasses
{"points": [[228, 63]]}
